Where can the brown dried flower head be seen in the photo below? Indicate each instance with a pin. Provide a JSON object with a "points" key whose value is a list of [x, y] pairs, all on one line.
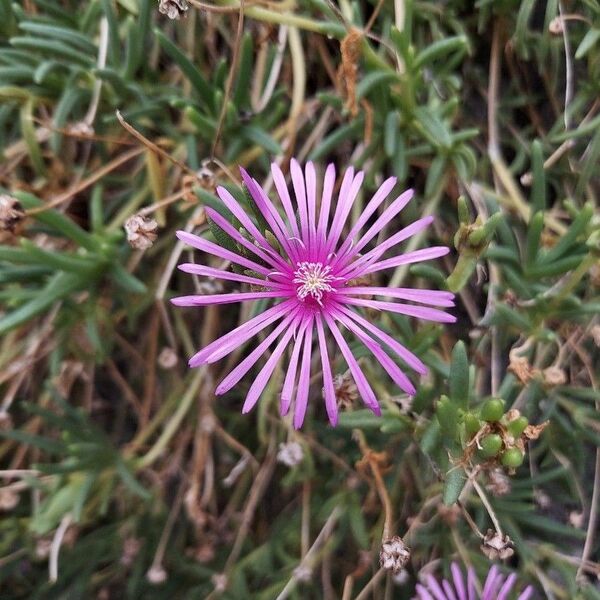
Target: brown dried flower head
{"points": [[521, 367], [394, 554], [156, 574], [554, 376], [346, 391], [498, 482], [11, 213], [8, 499], [167, 358], [290, 454], [497, 546], [141, 232], [174, 9]]}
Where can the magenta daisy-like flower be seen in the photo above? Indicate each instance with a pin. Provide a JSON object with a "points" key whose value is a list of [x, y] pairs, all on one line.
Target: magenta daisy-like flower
{"points": [[313, 275], [496, 587]]}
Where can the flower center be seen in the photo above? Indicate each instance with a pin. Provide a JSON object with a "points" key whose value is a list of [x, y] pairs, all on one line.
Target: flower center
{"points": [[314, 279]]}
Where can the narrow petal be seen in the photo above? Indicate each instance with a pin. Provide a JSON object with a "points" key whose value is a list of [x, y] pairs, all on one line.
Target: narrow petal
{"points": [[215, 250], [423, 593], [205, 271], [471, 585], [290, 377], [259, 384], [328, 388], [392, 241], [380, 195], [392, 369], [276, 261], [311, 199], [328, 185], [284, 195], [240, 214], [507, 586], [450, 595], [404, 353], [526, 593], [234, 376], [269, 212], [240, 335], [409, 258], [304, 378], [362, 384], [388, 214], [435, 588], [459, 582], [420, 312], [347, 201], [223, 298], [433, 297], [300, 191], [491, 583]]}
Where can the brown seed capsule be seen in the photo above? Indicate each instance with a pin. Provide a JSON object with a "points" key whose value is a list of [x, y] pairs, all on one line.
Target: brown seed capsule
{"points": [[141, 232], [394, 554], [174, 9], [11, 213], [496, 546]]}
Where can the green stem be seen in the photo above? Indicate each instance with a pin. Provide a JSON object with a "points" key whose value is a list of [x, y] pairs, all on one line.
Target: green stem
{"points": [[173, 425]]}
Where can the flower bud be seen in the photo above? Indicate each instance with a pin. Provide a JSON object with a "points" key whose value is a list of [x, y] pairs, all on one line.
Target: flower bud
{"points": [[490, 445], [512, 458], [492, 410]]}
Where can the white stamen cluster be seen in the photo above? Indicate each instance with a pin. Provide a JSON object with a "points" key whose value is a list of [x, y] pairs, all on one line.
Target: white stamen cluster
{"points": [[314, 279]]}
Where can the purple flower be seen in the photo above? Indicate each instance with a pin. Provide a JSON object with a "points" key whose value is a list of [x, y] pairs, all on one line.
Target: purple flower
{"points": [[496, 587], [313, 273]]}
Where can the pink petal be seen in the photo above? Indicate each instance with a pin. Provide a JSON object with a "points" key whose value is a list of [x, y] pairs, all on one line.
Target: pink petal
{"points": [[346, 200], [223, 298], [404, 353], [240, 214], [392, 369], [435, 589], [259, 384], [311, 198], [448, 590], [409, 258], [290, 376], [269, 212], [328, 184], [300, 191], [205, 271], [328, 388], [423, 593], [434, 297], [459, 582], [491, 583], [215, 250], [388, 214], [507, 587], [304, 378], [240, 335], [276, 261], [379, 250], [284, 195], [420, 312], [380, 195], [234, 376], [362, 384]]}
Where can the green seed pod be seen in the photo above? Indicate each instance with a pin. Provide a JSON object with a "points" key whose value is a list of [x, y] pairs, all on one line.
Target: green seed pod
{"points": [[492, 410], [490, 445], [472, 424], [517, 426], [513, 457]]}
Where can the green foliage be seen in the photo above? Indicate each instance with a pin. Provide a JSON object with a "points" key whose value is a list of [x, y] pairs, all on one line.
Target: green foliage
{"points": [[107, 438]]}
